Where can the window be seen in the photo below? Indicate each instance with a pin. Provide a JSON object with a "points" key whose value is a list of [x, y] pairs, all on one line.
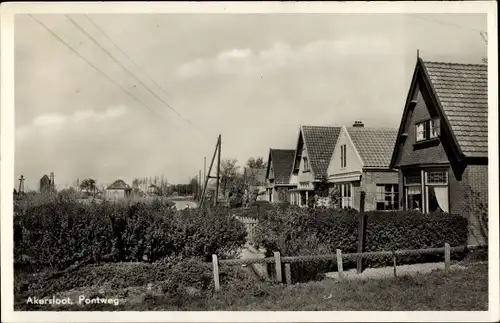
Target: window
{"points": [[343, 159], [427, 193], [387, 197], [346, 195], [306, 164], [436, 191], [428, 129], [413, 192]]}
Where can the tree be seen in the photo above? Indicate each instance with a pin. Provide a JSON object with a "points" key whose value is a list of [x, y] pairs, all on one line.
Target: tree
{"points": [[88, 185], [228, 172], [256, 163]]}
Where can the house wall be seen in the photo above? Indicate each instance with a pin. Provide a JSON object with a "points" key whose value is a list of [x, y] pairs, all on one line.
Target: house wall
{"points": [[369, 182], [410, 155], [474, 179], [115, 194], [353, 163]]}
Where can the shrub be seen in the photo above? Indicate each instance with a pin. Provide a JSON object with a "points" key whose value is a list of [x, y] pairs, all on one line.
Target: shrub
{"points": [[297, 231], [60, 233]]}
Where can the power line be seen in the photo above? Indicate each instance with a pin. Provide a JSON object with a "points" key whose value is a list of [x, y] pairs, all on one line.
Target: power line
{"points": [[126, 69], [126, 55], [92, 65], [443, 22]]}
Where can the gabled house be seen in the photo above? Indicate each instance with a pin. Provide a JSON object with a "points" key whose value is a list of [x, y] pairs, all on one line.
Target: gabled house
{"points": [[255, 180], [441, 151], [118, 190], [313, 152], [360, 163], [279, 168]]}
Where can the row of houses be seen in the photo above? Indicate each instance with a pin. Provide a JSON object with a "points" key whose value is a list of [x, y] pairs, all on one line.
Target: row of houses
{"points": [[436, 161]]}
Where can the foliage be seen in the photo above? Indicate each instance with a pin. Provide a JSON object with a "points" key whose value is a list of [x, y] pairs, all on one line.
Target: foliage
{"points": [[256, 163], [477, 206], [89, 185], [303, 231], [122, 231], [229, 171]]}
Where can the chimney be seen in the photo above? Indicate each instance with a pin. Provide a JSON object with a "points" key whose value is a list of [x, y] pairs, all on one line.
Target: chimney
{"points": [[358, 124]]}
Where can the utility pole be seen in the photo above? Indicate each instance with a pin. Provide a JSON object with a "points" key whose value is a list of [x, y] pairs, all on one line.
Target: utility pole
{"points": [[21, 185], [218, 173], [204, 170], [217, 149], [198, 183]]}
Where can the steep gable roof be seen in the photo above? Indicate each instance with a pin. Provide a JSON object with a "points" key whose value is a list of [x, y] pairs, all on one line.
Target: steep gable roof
{"points": [[119, 184], [459, 92], [282, 163], [320, 142], [374, 145], [462, 90]]}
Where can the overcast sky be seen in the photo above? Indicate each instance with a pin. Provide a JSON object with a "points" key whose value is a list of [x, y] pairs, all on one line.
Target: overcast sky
{"points": [[253, 78]]}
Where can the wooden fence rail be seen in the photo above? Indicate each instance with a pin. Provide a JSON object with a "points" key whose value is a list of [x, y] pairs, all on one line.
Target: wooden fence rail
{"points": [[339, 257]]}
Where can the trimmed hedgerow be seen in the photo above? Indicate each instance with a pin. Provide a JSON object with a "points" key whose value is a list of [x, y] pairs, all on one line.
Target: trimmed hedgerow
{"points": [[62, 232], [300, 231]]}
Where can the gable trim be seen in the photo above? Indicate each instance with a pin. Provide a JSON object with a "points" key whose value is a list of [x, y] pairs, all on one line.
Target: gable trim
{"points": [[422, 79], [354, 147], [269, 160]]}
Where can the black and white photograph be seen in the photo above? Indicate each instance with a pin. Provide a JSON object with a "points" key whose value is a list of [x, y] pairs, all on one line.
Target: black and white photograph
{"points": [[232, 161]]}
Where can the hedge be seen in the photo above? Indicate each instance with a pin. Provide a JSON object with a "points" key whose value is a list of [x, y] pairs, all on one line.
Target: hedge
{"points": [[62, 232], [301, 231]]}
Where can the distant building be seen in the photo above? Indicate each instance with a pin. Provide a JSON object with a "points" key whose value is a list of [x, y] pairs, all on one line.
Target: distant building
{"points": [[47, 184], [118, 190], [153, 190], [279, 168]]}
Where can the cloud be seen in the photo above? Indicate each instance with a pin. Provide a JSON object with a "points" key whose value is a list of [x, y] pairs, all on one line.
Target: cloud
{"points": [[238, 61], [79, 116], [53, 123]]}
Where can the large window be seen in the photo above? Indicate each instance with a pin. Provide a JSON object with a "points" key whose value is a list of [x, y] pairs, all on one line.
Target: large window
{"points": [[427, 193], [387, 197], [428, 129], [343, 159], [436, 191], [413, 192], [346, 195]]}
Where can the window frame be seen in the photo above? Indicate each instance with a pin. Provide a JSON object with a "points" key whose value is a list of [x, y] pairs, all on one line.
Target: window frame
{"points": [[382, 195], [343, 158], [344, 197], [431, 129], [307, 167]]}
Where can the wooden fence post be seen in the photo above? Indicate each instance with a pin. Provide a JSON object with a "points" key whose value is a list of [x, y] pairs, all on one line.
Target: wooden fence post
{"points": [[277, 259], [447, 257], [361, 239], [215, 263], [288, 273], [394, 262], [340, 266]]}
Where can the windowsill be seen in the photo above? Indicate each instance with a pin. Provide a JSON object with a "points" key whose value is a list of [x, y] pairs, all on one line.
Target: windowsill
{"points": [[426, 143]]}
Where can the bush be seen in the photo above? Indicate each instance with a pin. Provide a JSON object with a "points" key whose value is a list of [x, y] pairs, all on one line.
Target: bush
{"points": [[62, 232], [295, 231]]}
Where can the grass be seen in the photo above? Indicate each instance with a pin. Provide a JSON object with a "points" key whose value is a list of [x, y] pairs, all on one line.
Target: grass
{"points": [[463, 290]]}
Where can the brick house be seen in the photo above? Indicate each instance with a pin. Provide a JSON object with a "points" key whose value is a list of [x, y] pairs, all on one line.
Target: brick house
{"points": [[313, 152], [441, 151], [279, 167], [360, 163]]}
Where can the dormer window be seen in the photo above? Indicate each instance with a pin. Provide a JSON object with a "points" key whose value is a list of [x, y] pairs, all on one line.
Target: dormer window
{"points": [[428, 129], [306, 164]]}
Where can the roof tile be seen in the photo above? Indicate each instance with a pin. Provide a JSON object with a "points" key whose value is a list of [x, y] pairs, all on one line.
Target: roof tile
{"points": [[463, 92], [320, 142], [282, 162], [374, 145]]}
